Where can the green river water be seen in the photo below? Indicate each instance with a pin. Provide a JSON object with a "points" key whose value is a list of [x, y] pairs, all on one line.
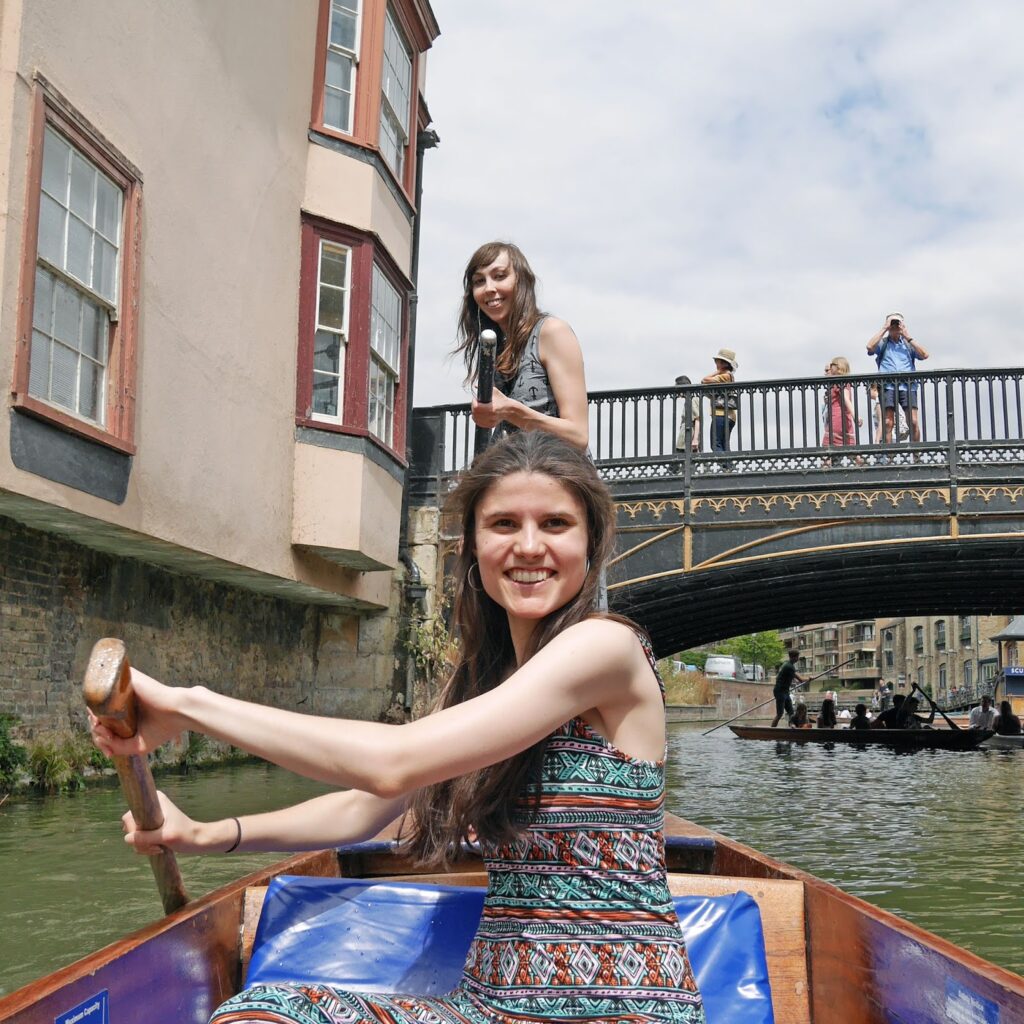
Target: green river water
{"points": [[936, 837]]}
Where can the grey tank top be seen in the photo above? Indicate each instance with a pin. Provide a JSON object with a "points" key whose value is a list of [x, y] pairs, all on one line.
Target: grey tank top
{"points": [[530, 385]]}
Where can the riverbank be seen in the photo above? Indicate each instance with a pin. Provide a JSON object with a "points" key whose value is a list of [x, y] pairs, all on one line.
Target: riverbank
{"points": [[66, 762]]}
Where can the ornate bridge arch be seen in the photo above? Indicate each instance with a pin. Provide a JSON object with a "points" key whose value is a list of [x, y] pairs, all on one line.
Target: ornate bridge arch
{"points": [[787, 528]]}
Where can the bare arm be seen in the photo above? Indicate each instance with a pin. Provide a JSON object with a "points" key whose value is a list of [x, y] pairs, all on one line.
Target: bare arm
{"points": [[329, 820], [848, 402], [873, 343], [597, 664], [918, 351], [725, 377], [562, 359]]}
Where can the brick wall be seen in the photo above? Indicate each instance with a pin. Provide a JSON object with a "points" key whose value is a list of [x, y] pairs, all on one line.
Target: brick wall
{"points": [[57, 598]]}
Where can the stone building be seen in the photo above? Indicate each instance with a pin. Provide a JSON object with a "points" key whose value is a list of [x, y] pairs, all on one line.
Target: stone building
{"points": [[955, 655], [207, 287], [949, 653], [849, 648]]}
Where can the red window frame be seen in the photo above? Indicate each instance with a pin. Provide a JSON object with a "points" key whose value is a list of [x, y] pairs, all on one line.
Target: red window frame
{"points": [[50, 108], [365, 251], [418, 27]]}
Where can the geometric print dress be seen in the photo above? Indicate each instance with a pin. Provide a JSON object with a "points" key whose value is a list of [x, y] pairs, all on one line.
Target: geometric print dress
{"points": [[578, 924]]}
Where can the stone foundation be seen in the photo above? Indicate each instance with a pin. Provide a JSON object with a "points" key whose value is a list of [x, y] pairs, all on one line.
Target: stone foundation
{"points": [[57, 598]]}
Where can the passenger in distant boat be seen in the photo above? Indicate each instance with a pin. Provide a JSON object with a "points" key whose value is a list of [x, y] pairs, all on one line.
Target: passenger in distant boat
{"points": [[983, 717], [860, 718], [691, 410], [800, 719], [1007, 723], [839, 418], [547, 743], [724, 401], [908, 719], [827, 715], [783, 685], [538, 370], [888, 718], [896, 352]]}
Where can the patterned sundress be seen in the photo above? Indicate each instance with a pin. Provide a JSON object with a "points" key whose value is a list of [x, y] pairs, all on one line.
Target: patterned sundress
{"points": [[578, 924]]}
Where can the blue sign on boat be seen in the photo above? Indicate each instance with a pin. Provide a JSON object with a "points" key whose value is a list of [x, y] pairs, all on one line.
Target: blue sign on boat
{"points": [[93, 1010], [966, 1007]]}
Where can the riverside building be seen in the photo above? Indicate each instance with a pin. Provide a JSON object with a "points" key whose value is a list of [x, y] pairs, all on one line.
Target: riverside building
{"points": [[207, 263]]}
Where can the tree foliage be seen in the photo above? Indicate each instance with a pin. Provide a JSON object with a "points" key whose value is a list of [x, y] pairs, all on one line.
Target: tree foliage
{"points": [[764, 648]]}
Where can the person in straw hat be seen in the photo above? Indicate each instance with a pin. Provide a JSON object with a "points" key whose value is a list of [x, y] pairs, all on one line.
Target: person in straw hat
{"points": [[723, 402]]}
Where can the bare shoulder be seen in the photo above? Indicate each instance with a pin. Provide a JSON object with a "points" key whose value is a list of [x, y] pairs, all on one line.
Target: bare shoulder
{"points": [[557, 334], [607, 642]]}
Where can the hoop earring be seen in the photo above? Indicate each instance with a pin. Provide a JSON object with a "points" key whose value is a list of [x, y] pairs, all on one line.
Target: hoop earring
{"points": [[587, 571], [469, 578]]}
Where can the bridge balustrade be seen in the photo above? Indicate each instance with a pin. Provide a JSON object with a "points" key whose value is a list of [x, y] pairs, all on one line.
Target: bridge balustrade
{"points": [[965, 419]]}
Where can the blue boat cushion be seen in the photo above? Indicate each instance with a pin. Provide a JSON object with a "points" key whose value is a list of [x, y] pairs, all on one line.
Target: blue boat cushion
{"points": [[404, 937]]}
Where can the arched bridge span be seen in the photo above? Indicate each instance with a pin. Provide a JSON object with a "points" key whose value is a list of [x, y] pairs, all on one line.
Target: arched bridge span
{"points": [[788, 526]]}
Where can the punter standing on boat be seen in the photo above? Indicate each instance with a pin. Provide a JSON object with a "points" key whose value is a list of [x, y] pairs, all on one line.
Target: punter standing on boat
{"points": [[538, 379], [783, 685], [548, 744]]}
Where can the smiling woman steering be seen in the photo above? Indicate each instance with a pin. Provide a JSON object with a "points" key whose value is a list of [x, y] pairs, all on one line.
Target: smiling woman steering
{"points": [[547, 744], [539, 379]]}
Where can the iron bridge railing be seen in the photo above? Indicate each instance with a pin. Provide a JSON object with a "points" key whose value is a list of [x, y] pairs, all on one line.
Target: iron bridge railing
{"points": [[965, 418]]}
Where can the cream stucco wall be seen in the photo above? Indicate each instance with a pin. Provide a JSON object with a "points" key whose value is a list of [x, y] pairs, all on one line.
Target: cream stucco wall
{"points": [[211, 101]]}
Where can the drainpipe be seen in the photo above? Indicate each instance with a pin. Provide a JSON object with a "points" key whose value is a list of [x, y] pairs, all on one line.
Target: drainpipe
{"points": [[414, 589]]}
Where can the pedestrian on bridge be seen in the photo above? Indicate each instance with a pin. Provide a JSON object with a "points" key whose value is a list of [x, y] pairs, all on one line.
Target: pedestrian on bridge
{"points": [[839, 413], [691, 412], [895, 351], [538, 374], [723, 401]]}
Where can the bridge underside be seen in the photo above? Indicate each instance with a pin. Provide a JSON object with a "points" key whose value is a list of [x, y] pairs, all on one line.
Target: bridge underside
{"points": [[975, 575]]}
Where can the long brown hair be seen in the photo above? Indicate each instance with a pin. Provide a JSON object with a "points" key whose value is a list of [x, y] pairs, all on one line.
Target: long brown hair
{"points": [[522, 319], [499, 801]]}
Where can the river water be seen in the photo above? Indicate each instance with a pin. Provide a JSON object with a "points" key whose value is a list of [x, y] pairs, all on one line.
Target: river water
{"points": [[934, 836]]}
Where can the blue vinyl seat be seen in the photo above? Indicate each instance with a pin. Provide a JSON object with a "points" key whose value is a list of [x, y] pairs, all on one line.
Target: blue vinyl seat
{"points": [[406, 937]]}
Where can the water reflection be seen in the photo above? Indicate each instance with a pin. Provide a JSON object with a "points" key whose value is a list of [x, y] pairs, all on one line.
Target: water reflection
{"points": [[934, 835]]}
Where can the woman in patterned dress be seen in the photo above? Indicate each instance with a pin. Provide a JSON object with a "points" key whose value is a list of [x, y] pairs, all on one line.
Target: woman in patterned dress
{"points": [[548, 744], [539, 380]]}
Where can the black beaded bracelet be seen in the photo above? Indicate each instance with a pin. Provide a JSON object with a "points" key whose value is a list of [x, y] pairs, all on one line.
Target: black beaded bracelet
{"points": [[238, 838]]}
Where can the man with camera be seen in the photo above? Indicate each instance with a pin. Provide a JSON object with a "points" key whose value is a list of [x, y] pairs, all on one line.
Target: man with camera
{"points": [[895, 351]]}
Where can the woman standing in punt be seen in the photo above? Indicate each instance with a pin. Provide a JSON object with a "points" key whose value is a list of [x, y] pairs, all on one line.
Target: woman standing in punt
{"points": [[548, 744], [539, 381]]}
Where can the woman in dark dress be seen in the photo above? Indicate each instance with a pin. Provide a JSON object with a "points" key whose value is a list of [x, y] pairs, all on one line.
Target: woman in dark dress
{"points": [[1007, 723]]}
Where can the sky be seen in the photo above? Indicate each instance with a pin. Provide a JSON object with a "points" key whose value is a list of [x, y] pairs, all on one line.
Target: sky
{"points": [[772, 178]]}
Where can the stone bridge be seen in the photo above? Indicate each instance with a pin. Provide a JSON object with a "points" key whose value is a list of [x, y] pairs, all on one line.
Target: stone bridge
{"points": [[786, 527]]}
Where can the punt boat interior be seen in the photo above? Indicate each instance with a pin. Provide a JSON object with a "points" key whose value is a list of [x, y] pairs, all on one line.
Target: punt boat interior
{"points": [[825, 957]]}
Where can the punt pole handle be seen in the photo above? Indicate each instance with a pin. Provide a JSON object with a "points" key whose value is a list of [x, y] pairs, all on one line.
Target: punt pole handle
{"points": [[107, 689]]}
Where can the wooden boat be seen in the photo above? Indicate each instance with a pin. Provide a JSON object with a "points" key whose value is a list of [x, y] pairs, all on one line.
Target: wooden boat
{"points": [[903, 739], [997, 742], [831, 958]]}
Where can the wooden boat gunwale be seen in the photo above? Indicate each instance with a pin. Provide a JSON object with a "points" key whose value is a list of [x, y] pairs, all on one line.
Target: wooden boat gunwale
{"points": [[199, 946]]}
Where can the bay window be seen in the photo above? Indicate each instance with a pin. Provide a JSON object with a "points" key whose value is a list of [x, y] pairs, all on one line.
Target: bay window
{"points": [[352, 336]]}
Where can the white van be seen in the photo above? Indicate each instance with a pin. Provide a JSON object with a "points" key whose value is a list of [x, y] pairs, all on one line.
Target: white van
{"points": [[724, 666], [754, 672]]}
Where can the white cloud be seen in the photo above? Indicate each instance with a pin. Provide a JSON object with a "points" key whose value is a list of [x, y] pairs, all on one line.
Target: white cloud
{"points": [[774, 177]]}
